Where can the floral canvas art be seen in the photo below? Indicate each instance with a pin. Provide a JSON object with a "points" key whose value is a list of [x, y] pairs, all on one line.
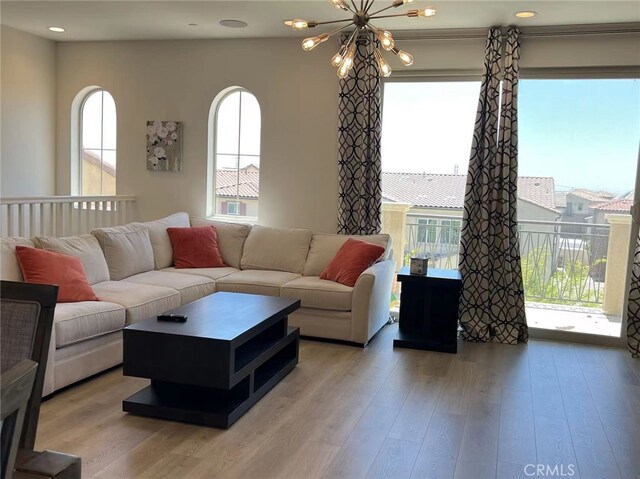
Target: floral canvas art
{"points": [[164, 145]]}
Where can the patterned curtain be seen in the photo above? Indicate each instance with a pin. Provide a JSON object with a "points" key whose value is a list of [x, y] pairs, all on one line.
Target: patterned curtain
{"points": [[492, 297], [633, 304], [359, 132]]}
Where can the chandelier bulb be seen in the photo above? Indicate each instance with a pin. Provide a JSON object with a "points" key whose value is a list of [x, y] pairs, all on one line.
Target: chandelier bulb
{"points": [[341, 4], [385, 69], [347, 62], [423, 12], [405, 57], [299, 24], [385, 38], [397, 3], [310, 43], [336, 60]]}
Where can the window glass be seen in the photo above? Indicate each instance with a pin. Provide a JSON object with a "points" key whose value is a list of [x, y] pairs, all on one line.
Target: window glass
{"points": [[237, 154], [98, 144]]}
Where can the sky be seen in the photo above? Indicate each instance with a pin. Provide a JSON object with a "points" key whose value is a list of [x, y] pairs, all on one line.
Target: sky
{"points": [[583, 133]]}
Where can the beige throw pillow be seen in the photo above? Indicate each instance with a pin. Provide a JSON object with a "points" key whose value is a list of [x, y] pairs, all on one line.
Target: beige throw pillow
{"points": [[127, 250], [277, 249], [160, 243], [84, 247], [9, 266]]}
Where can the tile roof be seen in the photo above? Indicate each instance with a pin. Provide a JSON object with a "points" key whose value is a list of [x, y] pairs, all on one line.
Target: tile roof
{"points": [[618, 205], [593, 196], [226, 181], [447, 191]]}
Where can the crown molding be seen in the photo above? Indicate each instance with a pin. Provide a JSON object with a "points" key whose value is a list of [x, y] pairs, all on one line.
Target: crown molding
{"points": [[630, 28]]}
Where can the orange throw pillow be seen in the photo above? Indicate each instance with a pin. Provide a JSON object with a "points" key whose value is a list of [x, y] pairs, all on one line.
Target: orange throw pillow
{"points": [[353, 257], [195, 247], [45, 267]]}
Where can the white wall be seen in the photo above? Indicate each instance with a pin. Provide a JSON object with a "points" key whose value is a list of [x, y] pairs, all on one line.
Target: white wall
{"points": [[27, 90], [297, 91], [178, 80]]}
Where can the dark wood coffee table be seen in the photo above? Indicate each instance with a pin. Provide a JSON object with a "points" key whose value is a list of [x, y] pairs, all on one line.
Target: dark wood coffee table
{"points": [[210, 370]]}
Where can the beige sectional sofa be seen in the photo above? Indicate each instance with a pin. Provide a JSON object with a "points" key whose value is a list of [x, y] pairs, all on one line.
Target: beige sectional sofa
{"points": [[131, 270]]}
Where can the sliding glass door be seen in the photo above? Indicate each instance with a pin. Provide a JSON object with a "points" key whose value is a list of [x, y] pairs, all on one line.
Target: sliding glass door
{"points": [[578, 150]]}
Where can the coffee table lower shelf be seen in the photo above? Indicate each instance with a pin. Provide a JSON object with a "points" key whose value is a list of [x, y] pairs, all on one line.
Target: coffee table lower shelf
{"points": [[215, 407]]}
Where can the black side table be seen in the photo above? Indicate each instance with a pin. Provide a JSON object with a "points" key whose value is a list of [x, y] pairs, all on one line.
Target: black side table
{"points": [[429, 310]]}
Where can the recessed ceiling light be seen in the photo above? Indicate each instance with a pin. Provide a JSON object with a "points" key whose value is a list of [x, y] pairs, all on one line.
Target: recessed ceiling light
{"points": [[525, 14], [233, 23], [57, 29]]}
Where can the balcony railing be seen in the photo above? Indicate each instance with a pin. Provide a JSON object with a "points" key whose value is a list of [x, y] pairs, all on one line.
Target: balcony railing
{"points": [[63, 215], [562, 263]]}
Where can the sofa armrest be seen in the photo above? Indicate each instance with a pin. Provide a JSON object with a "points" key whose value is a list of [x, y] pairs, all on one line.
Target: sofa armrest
{"points": [[371, 300]]}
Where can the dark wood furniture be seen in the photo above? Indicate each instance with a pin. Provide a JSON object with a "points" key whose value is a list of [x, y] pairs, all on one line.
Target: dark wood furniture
{"points": [[26, 321], [15, 390], [429, 310], [211, 369]]}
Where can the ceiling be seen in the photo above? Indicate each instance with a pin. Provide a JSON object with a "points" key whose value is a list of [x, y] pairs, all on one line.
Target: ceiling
{"points": [[159, 19]]}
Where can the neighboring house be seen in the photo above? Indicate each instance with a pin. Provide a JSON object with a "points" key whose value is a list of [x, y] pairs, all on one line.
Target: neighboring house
{"points": [[580, 208], [435, 217], [237, 191], [618, 206], [443, 195]]}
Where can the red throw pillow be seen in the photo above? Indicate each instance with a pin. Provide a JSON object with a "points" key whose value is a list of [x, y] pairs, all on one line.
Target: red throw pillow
{"points": [[353, 257], [45, 267], [195, 247]]}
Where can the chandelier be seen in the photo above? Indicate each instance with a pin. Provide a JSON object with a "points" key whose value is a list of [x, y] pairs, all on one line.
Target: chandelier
{"points": [[361, 20]]}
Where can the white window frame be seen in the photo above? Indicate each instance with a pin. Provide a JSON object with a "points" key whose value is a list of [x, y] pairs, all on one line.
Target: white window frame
{"points": [[79, 146], [211, 199]]}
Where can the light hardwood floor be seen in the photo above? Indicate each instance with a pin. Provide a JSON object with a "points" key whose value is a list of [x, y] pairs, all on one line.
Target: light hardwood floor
{"points": [[346, 412]]}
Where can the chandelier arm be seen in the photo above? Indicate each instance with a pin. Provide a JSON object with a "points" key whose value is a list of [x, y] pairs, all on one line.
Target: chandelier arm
{"points": [[389, 16], [381, 10], [335, 21], [351, 38], [368, 6], [333, 32]]}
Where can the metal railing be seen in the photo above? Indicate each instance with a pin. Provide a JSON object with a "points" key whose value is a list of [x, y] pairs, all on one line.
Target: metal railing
{"points": [[562, 263], [63, 215]]}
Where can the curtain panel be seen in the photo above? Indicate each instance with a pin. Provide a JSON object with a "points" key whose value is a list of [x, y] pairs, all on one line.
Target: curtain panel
{"points": [[359, 133], [492, 298], [633, 300]]}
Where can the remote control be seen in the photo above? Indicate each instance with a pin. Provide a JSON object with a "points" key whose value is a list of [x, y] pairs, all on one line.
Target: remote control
{"points": [[175, 318]]}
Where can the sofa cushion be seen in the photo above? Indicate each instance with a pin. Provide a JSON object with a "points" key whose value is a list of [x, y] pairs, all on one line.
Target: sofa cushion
{"points": [[127, 250], [231, 238], [276, 249], [45, 267], [84, 247], [195, 247], [324, 247], [314, 292], [160, 244], [75, 322], [9, 266], [191, 287], [212, 273], [353, 257], [141, 301], [255, 282]]}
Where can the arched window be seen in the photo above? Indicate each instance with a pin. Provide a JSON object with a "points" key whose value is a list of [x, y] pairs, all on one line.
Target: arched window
{"points": [[236, 153], [97, 144]]}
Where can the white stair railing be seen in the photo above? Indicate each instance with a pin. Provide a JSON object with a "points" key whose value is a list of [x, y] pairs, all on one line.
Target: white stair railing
{"points": [[63, 215]]}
